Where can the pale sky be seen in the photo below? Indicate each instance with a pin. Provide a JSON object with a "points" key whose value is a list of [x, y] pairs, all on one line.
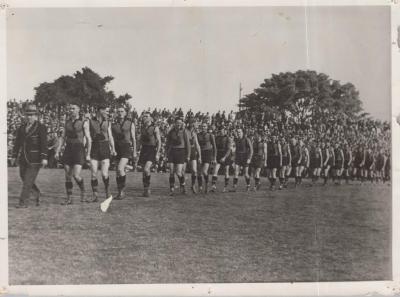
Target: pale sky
{"points": [[196, 57]]}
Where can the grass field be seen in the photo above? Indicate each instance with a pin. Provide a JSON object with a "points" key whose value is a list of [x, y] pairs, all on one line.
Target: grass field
{"points": [[308, 234]]}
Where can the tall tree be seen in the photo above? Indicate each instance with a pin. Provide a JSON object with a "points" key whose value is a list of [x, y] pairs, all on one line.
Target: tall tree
{"points": [[303, 95], [84, 87]]}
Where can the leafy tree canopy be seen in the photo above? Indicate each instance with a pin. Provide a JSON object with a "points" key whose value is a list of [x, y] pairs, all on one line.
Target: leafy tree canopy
{"points": [[303, 95], [83, 87]]}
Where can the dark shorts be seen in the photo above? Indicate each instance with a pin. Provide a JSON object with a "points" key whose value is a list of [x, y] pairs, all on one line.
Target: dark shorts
{"points": [[330, 162], [100, 151], [357, 164], [147, 154], [273, 162], [241, 159], [295, 162], [177, 156], [193, 154], [285, 161], [338, 164], [379, 166], [228, 160], [315, 163], [123, 150], [346, 164], [206, 156], [367, 165], [74, 154], [257, 161], [303, 162]]}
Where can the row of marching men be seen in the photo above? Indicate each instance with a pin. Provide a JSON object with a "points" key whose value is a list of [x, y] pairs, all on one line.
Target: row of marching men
{"points": [[204, 152]]}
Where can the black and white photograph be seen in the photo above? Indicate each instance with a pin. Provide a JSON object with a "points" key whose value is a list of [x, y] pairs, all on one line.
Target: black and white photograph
{"points": [[180, 145]]}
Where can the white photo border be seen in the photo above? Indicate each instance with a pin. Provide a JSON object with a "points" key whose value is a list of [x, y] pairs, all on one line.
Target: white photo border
{"points": [[386, 288]]}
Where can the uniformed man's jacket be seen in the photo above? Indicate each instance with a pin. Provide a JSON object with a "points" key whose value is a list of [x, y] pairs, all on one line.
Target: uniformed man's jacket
{"points": [[31, 144]]}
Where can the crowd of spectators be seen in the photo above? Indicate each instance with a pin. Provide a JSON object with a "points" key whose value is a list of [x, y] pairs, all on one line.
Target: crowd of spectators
{"points": [[371, 133]]}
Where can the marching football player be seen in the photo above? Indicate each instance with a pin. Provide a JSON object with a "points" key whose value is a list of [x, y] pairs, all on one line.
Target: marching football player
{"points": [[359, 160], [243, 155], [380, 165], [328, 159], [259, 159], [195, 152], [369, 164], [274, 160], [224, 152], [303, 161], [178, 147], [150, 139], [348, 159], [208, 154], [339, 164], [123, 131], [286, 168], [315, 162], [101, 150], [75, 134]]}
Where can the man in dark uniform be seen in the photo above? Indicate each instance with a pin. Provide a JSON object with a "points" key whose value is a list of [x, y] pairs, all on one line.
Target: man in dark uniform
{"points": [[224, 152], [123, 130], [259, 159], [178, 147], [195, 151], [101, 150], [31, 146], [208, 155], [243, 156], [150, 139], [75, 132]]}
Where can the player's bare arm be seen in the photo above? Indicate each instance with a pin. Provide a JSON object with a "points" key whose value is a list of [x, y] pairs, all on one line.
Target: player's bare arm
{"points": [[133, 139], [86, 133], [111, 138], [60, 144]]}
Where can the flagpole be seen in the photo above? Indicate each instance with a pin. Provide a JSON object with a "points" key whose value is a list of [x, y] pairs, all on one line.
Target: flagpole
{"points": [[240, 93]]}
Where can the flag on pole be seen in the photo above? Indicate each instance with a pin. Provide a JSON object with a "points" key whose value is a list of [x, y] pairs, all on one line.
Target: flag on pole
{"points": [[106, 204]]}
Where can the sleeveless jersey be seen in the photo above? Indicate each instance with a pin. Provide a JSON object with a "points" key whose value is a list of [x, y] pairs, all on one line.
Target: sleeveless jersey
{"points": [[331, 153], [222, 143], [325, 154], [338, 155], [359, 156], [122, 131], [99, 130], [241, 145], [191, 135], [258, 148], [296, 152], [304, 158], [285, 150], [204, 139], [176, 138], [74, 131], [347, 154], [369, 157], [380, 159], [148, 135]]}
